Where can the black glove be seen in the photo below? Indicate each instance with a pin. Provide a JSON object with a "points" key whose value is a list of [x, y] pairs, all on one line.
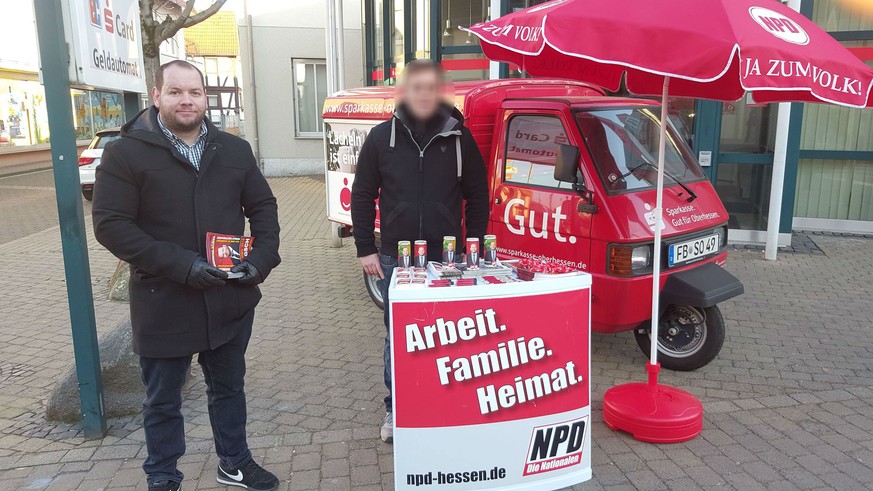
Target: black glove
{"points": [[251, 275], [204, 275]]}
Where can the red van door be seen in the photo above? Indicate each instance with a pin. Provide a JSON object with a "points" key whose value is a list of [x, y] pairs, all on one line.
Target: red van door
{"points": [[533, 215]]}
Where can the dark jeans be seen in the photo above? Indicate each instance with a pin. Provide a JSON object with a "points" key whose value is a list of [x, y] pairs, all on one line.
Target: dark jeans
{"points": [[224, 370], [388, 264]]}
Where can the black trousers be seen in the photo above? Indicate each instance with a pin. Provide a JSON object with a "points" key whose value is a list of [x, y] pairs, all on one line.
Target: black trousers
{"points": [[224, 370]]}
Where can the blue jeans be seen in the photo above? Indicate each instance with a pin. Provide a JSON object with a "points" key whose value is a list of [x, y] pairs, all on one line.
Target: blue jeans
{"points": [[224, 370], [388, 264]]}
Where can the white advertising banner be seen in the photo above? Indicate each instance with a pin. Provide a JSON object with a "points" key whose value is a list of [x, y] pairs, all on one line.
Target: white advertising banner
{"points": [[342, 145], [106, 45]]}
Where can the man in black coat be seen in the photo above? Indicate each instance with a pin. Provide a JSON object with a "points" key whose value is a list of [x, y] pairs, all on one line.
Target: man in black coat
{"points": [[426, 170], [171, 178]]}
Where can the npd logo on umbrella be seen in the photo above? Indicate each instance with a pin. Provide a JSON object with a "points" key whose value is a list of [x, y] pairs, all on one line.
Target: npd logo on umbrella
{"points": [[779, 25]]}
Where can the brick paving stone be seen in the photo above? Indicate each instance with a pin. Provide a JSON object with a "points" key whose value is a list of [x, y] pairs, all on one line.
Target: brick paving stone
{"points": [[788, 403]]}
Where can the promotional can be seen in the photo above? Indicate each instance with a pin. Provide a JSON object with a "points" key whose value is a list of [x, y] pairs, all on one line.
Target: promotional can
{"points": [[490, 245], [420, 253], [473, 253], [404, 254], [449, 250]]}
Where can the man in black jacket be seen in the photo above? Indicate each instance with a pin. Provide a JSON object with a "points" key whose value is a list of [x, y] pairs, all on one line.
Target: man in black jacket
{"points": [[171, 178], [422, 165]]}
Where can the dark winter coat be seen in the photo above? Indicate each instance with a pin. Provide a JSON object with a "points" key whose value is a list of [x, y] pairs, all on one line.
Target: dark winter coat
{"points": [[413, 170], [153, 209]]}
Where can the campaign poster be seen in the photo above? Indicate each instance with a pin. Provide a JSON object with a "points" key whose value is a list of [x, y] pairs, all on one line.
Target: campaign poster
{"points": [[342, 145], [491, 386]]}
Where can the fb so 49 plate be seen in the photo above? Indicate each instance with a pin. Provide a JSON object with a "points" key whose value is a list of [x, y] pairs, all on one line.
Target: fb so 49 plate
{"points": [[693, 250]]}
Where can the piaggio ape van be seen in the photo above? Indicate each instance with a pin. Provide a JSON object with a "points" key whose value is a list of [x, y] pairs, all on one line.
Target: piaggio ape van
{"points": [[572, 176]]}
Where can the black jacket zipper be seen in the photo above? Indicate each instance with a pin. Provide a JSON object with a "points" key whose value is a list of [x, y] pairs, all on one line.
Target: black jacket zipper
{"points": [[421, 174]]}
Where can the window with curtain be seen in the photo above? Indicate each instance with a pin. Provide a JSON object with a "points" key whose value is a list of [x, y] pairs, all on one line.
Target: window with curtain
{"points": [[310, 90]]}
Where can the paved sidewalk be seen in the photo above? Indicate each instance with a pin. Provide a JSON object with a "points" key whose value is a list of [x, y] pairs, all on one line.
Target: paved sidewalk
{"points": [[788, 404]]}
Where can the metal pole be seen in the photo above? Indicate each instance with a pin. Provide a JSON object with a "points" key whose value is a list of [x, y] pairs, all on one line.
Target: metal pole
{"points": [[252, 107], [340, 47], [777, 179], [494, 66], [330, 45], [54, 60], [659, 222]]}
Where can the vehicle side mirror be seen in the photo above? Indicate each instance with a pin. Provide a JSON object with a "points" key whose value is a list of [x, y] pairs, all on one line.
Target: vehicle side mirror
{"points": [[567, 164], [567, 170]]}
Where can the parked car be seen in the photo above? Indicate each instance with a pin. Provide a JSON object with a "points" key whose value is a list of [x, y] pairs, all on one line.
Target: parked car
{"points": [[5, 137], [90, 159]]}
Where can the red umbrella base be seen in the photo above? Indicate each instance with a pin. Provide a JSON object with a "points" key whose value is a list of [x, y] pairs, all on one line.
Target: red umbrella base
{"points": [[652, 412]]}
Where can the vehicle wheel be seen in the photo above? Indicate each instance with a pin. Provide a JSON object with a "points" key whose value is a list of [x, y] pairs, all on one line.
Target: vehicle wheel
{"points": [[374, 288], [689, 337], [88, 194]]}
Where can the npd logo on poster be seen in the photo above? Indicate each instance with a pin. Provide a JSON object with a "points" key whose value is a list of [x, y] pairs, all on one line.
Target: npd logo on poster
{"points": [[556, 446]]}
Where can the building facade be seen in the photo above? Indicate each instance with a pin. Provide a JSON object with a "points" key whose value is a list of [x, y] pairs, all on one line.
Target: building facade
{"points": [[285, 79], [213, 45]]}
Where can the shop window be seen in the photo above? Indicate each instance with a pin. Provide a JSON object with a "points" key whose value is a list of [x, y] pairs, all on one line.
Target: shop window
{"points": [[834, 189], [532, 144], [310, 90], [748, 127], [462, 13]]}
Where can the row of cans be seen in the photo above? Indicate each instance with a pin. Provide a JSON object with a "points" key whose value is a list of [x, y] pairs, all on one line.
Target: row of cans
{"points": [[414, 254]]}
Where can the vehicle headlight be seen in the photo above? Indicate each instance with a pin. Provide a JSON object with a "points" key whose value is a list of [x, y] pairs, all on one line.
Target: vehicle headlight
{"points": [[630, 260], [641, 257]]}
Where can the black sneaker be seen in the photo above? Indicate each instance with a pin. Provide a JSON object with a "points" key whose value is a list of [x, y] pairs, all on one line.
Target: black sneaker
{"points": [[166, 486], [248, 475]]}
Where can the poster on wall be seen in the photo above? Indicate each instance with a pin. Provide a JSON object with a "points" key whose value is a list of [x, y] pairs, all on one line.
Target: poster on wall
{"points": [[106, 44], [342, 145], [491, 385], [107, 110]]}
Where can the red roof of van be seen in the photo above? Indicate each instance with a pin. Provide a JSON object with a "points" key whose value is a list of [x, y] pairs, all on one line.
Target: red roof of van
{"points": [[378, 102]]}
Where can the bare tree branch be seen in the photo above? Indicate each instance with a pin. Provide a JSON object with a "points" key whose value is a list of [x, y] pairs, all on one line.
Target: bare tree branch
{"points": [[171, 25], [203, 14]]}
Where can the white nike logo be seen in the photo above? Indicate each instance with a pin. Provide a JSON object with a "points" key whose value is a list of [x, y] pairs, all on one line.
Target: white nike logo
{"points": [[236, 477]]}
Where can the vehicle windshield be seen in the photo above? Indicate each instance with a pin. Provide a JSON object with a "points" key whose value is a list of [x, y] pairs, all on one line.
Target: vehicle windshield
{"points": [[624, 145], [100, 141]]}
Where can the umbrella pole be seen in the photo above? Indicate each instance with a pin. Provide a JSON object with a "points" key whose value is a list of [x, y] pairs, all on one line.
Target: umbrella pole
{"points": [[650, 411], [659, 224]]}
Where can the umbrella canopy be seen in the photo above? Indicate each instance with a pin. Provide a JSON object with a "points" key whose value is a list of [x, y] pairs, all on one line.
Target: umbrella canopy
{"points": [[711, 49]]}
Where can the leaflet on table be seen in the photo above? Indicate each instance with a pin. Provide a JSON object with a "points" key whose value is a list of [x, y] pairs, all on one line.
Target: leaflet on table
{"points": [[226, 251]]}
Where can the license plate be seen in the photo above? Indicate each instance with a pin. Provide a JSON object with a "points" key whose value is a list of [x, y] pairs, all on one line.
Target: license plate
{"points": [[691, 250]]}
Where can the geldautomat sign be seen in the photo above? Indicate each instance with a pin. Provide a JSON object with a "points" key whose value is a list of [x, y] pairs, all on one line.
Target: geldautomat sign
{"points": [[106, 44], [491, 385]]}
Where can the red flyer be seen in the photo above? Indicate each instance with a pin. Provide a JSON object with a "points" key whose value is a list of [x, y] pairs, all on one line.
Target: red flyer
{"points": [[226, 251]]}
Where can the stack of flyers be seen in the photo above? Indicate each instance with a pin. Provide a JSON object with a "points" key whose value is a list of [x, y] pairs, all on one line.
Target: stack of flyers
{"points": [[226, 251], [465, 282], [440, 283], [440, 270], [409, 277]]}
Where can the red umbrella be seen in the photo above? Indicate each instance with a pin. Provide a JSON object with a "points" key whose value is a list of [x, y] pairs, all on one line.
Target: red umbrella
{"points": [[712, 49]]}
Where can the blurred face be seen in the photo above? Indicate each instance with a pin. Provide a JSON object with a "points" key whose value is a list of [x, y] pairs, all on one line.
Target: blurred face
{"points": [[450, 246], [405, 251], [474, 248], [422, 93], [182, 99]]}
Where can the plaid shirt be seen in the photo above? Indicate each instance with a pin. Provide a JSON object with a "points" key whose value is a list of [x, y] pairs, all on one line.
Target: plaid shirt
{"points": [[191, 152]]}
